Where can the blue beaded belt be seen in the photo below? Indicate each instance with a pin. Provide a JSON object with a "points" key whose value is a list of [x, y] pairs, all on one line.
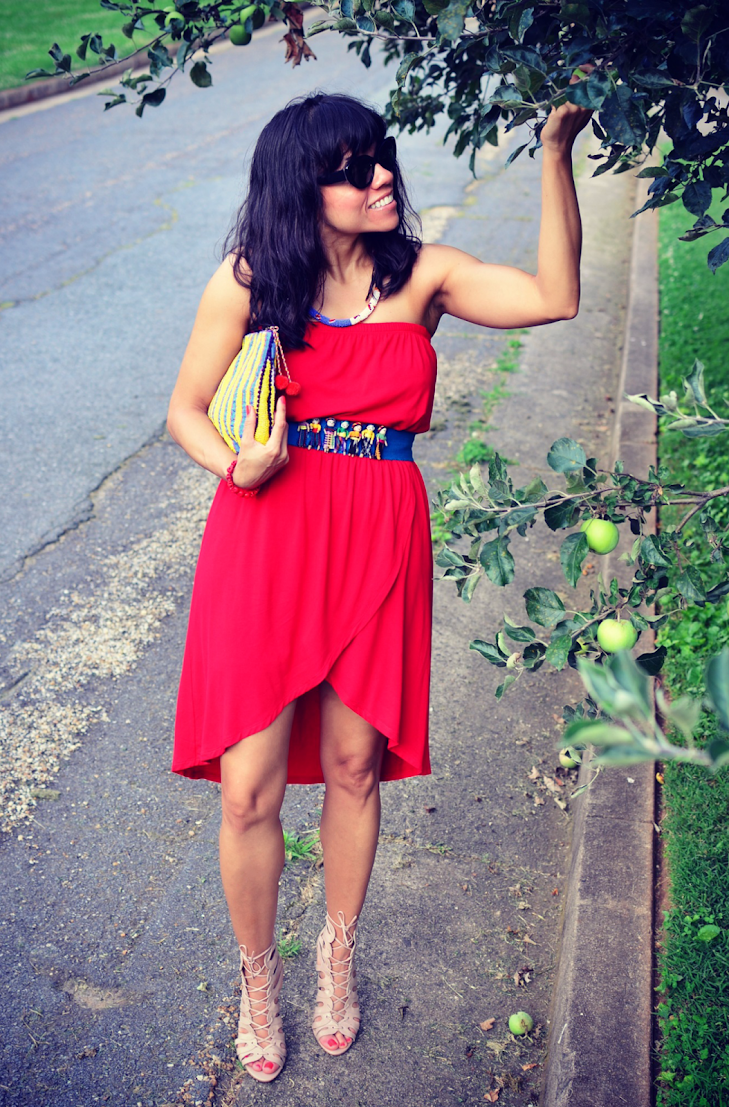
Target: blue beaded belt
{"points": [[343, 436]]}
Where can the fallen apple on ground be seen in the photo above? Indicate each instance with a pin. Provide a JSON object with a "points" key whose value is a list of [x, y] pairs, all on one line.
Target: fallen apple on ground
{"points": [[569, 758], [520, 1023]]}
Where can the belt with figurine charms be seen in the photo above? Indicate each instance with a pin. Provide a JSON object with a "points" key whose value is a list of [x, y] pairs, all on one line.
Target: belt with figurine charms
{"points": [[351, 438]]}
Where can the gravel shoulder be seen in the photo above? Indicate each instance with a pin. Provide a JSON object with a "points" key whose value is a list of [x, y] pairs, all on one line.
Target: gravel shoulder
{"points": [[119, 983]]}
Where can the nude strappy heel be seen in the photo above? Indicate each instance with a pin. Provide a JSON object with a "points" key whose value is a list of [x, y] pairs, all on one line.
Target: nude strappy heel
{"points": [[260, 1029], [336, 1013]]}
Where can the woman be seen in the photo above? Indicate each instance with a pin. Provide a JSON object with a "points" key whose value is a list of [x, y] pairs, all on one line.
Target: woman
{"points": [[308, 649]]}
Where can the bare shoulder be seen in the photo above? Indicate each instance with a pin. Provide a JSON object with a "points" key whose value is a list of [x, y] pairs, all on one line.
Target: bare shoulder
{"points": [[435, 262], [225, 293]]}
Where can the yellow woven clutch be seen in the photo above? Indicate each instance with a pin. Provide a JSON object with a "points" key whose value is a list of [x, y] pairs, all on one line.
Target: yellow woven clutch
{"points": [[254, 379]]}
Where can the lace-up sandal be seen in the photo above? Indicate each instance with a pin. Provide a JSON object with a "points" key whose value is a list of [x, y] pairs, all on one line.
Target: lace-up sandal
{"points": [[337, 1008], [260, 1030]]}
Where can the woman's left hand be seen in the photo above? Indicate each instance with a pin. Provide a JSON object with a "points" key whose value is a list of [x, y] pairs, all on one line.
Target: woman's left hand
{"points": [[565, 122]]}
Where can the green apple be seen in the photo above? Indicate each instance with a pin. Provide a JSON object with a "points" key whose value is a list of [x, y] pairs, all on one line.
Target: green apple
{"points": [[238, 35], [520, 1023], [602, 535], [569, 758], [614, 635]]}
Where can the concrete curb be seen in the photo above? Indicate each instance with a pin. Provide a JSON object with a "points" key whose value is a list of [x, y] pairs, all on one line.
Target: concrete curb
{"points": [[57, 86], [601, 1030]]}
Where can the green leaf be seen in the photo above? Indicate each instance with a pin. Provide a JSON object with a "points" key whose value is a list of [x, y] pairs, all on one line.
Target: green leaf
{"points": [[498, 561], [452, 19], [596, 733], [718, 255], [632, 680], [508, 681], [602, 686], [520, 21], [691, 586], [151, 100], [489, 651], [703, 430], [405, 9], [518, 634], [561, 514], [717, 685], [694, 383], [571, 555], [696, 21], [200, 76], [640, 399], [592, 92], [448, 557], [519, 517], [543, 606], [534, 491], [468, 587], [718, 592], [697, 197], [533, 655], [683, 712], [566, 456], [621, 118], [652, 663], [651, 553], [708, 933], [617, 756], [558, 651], [718, 751], [435, 7]]}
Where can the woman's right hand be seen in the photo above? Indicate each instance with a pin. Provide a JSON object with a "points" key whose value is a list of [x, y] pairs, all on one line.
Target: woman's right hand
{"points": [[258, 462]]}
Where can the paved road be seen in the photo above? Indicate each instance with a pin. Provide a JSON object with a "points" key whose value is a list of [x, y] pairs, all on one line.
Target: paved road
{"points": [[109, 232]]}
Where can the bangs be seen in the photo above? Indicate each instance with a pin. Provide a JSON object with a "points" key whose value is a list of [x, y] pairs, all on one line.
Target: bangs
{"points": [[276, 241], [338, 125]]}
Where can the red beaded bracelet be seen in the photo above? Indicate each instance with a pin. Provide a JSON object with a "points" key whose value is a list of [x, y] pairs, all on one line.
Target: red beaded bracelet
{"points": [[233, 486]]}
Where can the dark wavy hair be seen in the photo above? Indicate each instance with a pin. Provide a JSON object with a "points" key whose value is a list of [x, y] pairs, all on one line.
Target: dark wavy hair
{"points": [[277, 228]]}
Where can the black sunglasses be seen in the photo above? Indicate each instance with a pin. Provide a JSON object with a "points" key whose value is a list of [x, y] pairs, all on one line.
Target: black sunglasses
{"points": [[360, 171]]}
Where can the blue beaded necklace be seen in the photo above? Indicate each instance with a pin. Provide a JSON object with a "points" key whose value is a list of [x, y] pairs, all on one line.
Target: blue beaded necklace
{"points": [[369, 308]]}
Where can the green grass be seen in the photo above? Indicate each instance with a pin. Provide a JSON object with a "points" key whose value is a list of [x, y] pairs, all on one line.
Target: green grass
{"points": [[289, 946], [29, 27], [693, 1013], [304, 847]]}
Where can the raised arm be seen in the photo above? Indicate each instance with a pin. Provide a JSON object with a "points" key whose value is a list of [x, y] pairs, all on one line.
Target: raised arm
{"points": [[502, 296]]}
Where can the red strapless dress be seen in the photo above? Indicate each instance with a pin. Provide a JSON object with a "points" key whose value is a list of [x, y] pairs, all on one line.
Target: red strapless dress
{"points": [[325, 575]]}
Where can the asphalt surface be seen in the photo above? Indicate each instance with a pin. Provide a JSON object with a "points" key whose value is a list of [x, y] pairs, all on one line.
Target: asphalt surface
{"points": [[120, 971]]}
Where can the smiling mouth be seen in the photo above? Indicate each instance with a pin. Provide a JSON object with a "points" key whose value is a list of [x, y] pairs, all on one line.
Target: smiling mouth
{"points": [[383, 203]]}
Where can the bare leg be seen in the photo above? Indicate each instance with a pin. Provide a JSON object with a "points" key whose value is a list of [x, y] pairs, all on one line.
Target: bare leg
{"points": [[251, 839], [351, 757]]}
